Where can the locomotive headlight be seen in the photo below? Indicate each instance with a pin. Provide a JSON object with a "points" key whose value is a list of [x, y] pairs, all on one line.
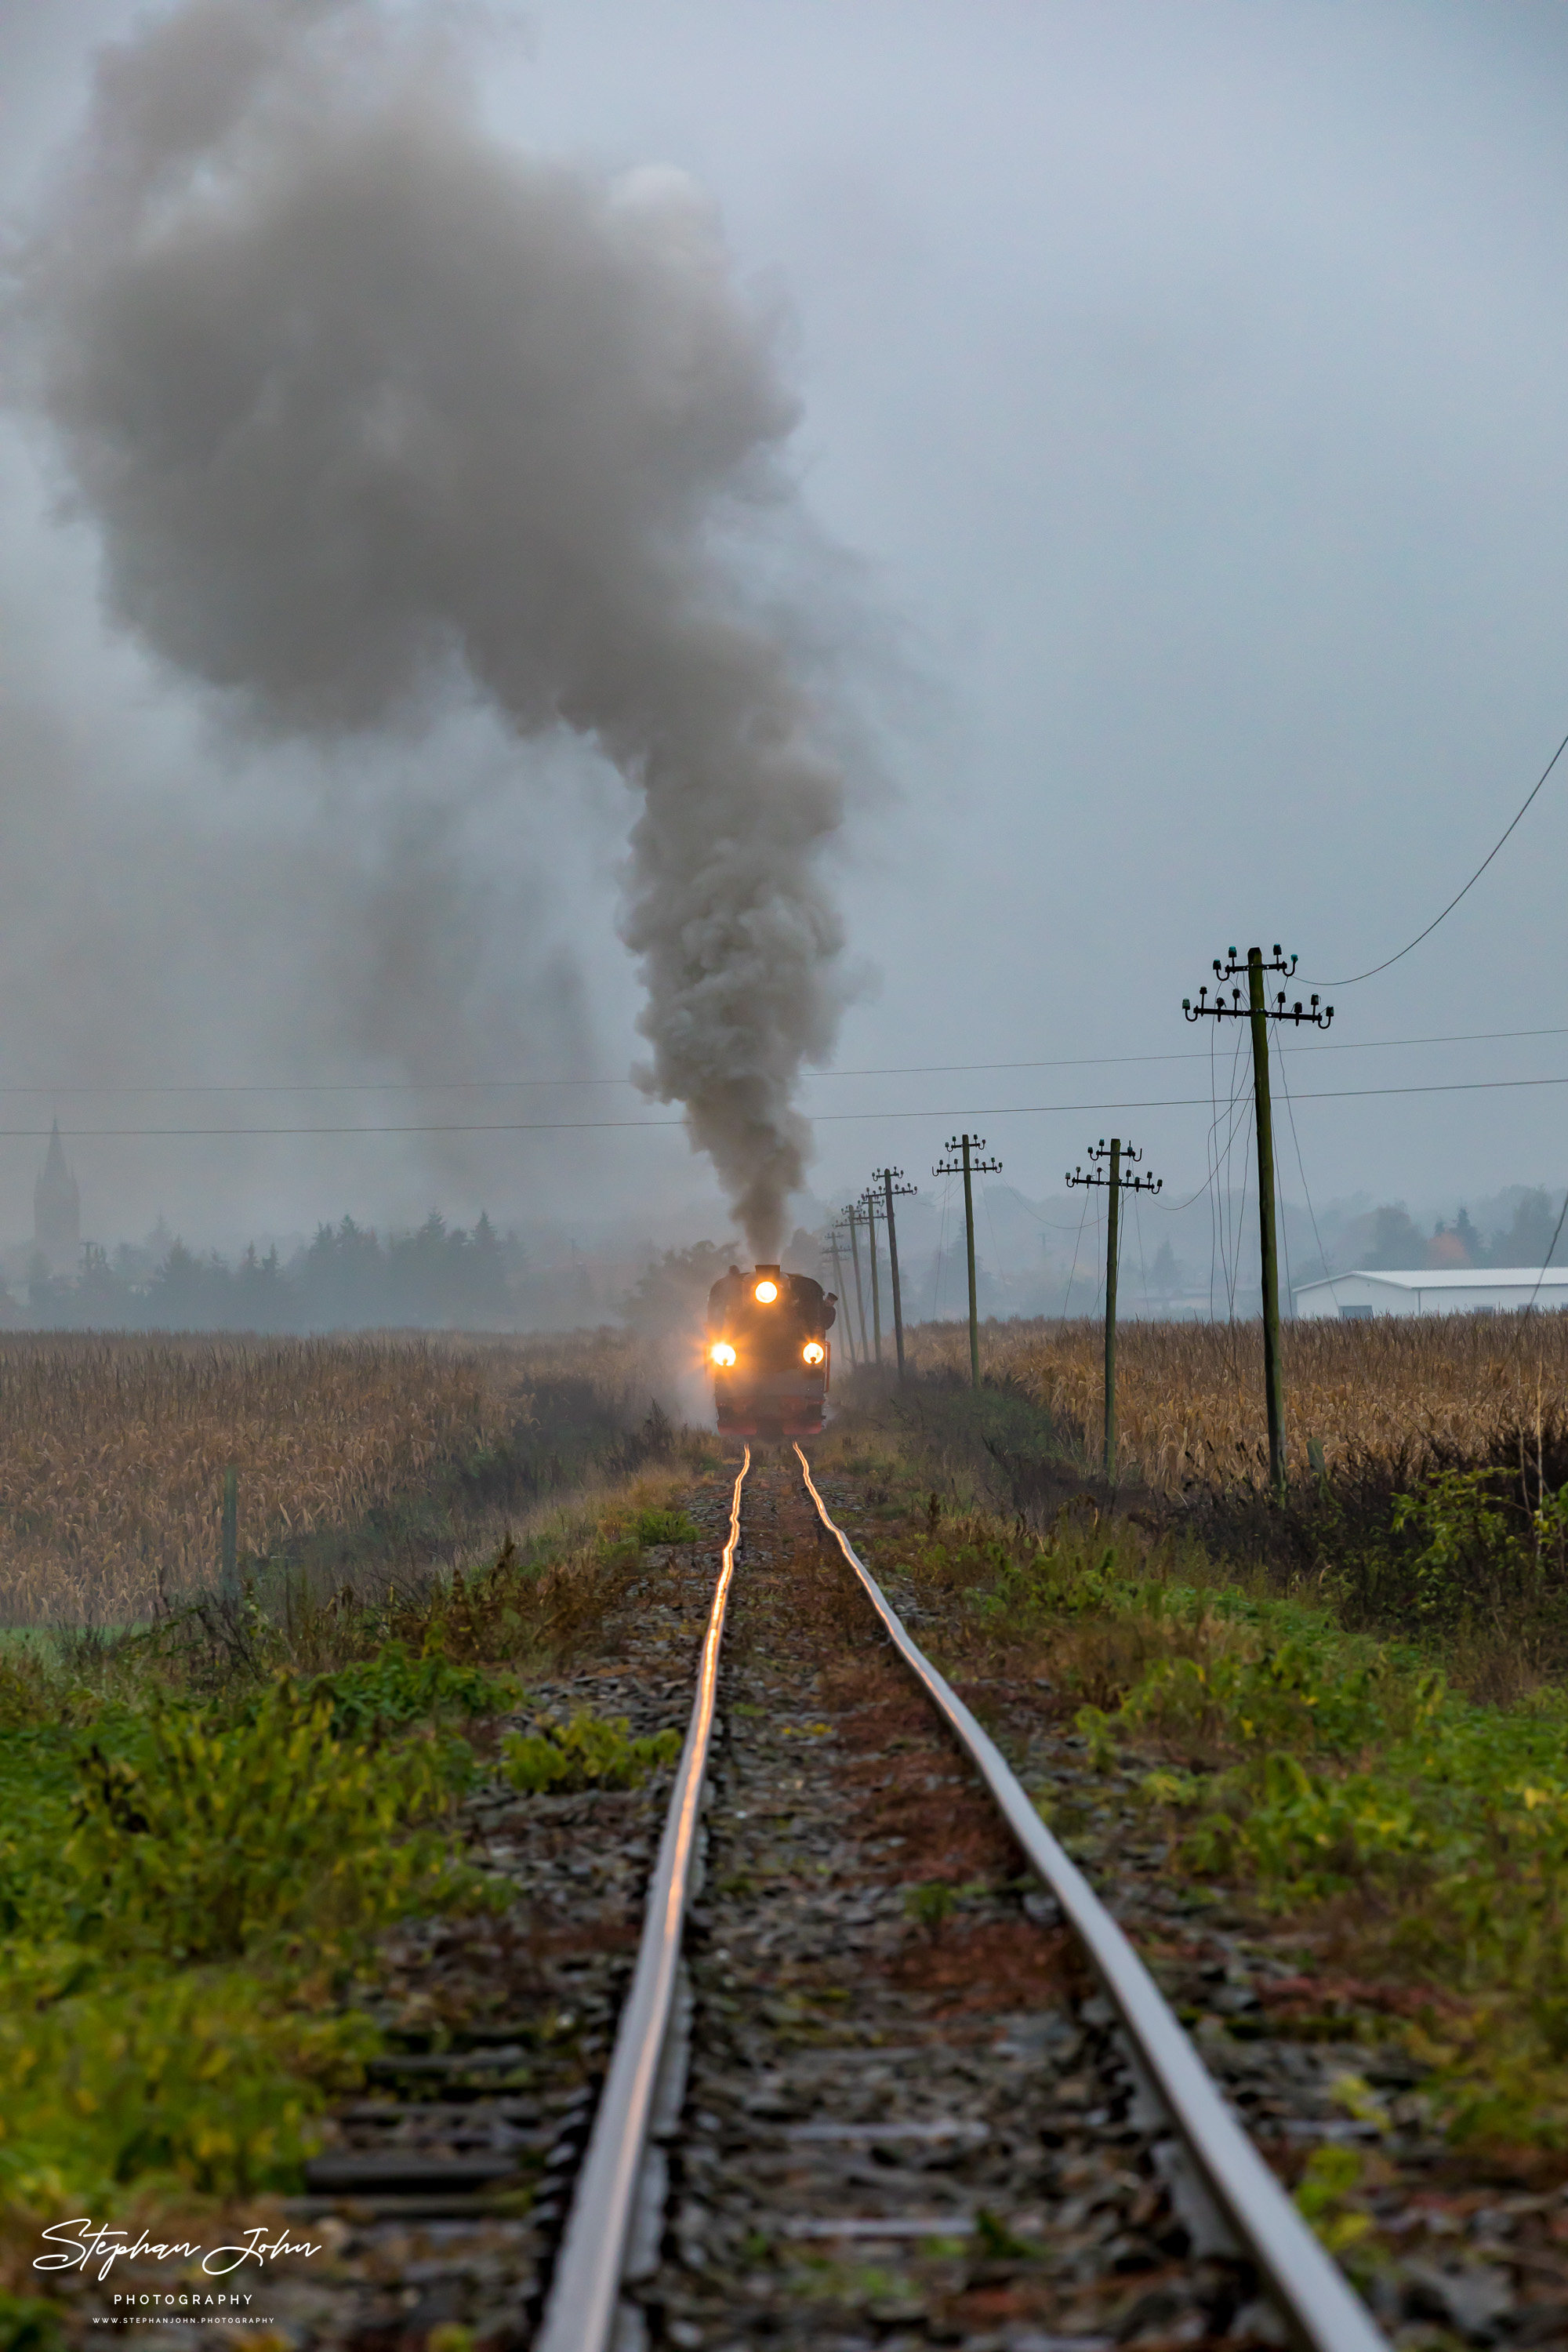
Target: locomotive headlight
{"points": [[765, 1293], [721, 1352], [812, 1351]]}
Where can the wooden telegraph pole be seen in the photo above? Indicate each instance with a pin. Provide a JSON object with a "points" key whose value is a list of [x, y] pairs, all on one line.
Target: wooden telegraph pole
{"points": [[1115, 1184], [871, 1209], [838, 1287], [894, 1187], [1258, 1012], [852, 1214], [971, 1167]]}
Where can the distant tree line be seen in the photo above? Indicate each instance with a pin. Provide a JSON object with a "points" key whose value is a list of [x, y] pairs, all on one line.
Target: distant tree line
{"points": [[1397, 1240], [440, 1277]]}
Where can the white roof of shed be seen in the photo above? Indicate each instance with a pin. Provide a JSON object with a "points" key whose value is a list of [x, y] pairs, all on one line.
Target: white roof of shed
{"points": [[1449, 1278]]}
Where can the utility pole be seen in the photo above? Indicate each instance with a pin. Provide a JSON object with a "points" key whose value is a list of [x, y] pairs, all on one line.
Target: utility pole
{"points": [[968, 1145], [894, 1187], [1260, 1013], [872, 1209], [840, 1290], [852, 1213], [1115, 1184]]}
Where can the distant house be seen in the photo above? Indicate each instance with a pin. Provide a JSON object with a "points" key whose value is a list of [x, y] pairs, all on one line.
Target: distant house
{"points": [[56, 1211], [1433, 1290]]}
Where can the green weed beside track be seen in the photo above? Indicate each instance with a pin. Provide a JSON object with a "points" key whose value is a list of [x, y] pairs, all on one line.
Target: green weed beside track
{"points": [[206, 1825], [186, 1892], [1398, 1791]]}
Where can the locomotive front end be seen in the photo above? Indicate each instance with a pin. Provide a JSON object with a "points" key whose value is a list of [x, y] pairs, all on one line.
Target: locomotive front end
{"points": [[768, 1352]]}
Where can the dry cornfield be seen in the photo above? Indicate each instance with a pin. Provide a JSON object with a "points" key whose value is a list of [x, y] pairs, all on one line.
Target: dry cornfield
{"points": [[113, 1450], [1189, 1396]]}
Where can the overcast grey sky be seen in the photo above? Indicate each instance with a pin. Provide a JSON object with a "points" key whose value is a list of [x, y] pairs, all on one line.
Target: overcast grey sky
{"points": [[1183, 395]]}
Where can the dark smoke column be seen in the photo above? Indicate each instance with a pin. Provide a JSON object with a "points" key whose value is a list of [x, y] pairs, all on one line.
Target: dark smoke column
{"points": [[370, 408]]}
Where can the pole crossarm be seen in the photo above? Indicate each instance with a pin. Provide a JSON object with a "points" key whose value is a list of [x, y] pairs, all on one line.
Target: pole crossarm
{"points": [[975, 1167], [1316, 1015], [1106, 1178]]}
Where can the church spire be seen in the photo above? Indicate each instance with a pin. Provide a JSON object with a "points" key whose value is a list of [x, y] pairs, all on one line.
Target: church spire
{"points": [[56, 1209]]}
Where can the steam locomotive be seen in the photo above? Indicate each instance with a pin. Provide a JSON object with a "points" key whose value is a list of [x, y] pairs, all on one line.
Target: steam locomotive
{"points": [[767, 1343]]}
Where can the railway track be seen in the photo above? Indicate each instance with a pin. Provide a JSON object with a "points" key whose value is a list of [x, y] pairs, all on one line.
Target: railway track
{"points": [[810, 2132]]}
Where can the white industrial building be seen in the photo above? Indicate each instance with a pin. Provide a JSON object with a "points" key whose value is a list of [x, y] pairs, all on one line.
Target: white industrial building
{"points": [[1433, 1290]]}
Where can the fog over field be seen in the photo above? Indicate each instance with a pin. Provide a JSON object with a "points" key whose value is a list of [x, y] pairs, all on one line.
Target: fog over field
{"points": [[840, 556]]}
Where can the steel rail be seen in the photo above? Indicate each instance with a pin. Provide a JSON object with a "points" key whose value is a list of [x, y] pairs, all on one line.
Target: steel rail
{"points": [[1315, 2301], [580, 2312]]}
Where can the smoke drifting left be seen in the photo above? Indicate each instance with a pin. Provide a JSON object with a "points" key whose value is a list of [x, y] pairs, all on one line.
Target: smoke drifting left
{"points": [[373, 411]]}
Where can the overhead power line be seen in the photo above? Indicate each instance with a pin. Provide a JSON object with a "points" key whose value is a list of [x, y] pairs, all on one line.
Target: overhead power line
{"points": [[885, 1070], [825, 1118], [1470, 886]]}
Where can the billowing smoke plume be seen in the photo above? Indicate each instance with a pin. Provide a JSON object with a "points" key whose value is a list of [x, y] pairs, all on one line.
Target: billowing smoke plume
{"points": [[364, 402]]}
